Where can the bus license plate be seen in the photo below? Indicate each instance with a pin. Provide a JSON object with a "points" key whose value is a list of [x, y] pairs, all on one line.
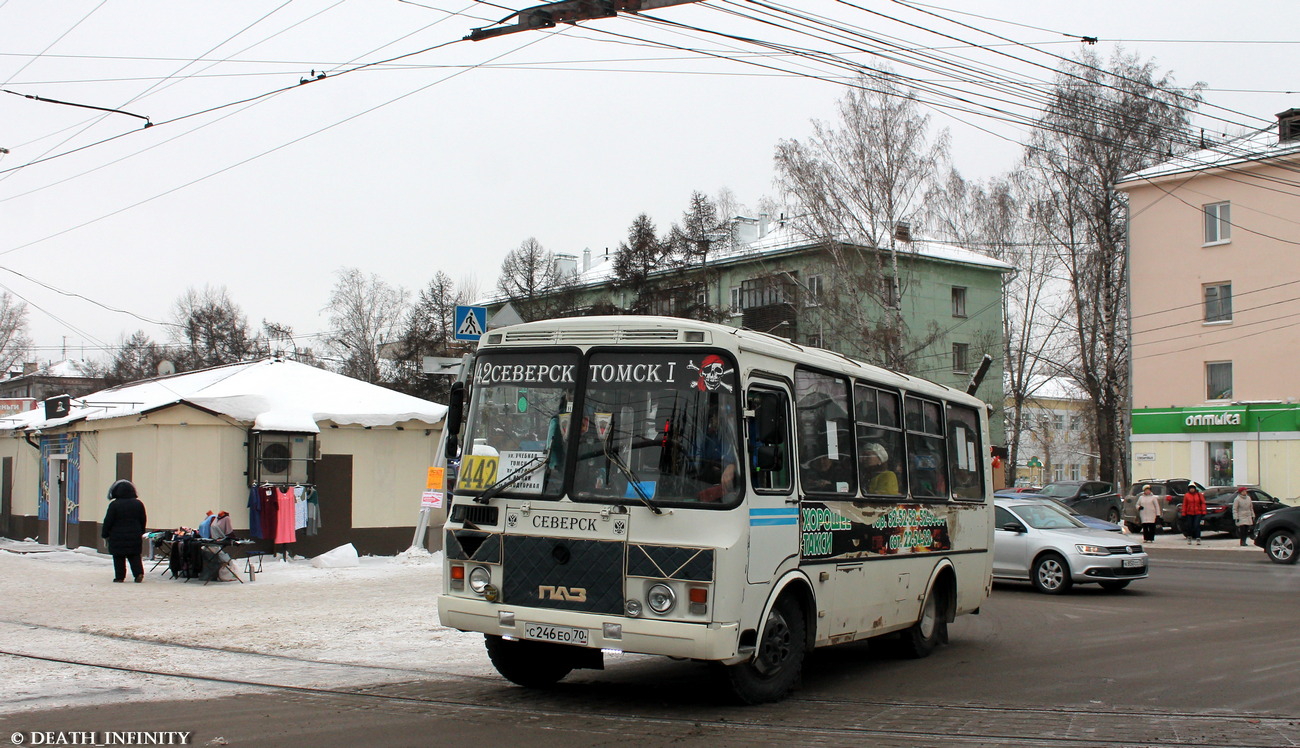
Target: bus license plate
{"points": [[1132, 563], [556, 634]]}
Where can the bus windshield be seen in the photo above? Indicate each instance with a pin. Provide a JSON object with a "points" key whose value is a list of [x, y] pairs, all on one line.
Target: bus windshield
{"points": [[648, 426], [664, 423]]}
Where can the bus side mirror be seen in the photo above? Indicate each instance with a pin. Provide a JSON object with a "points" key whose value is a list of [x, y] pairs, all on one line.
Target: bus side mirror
{"points": [[455, 412], [455, 408], [768, 421], [768, 457]]}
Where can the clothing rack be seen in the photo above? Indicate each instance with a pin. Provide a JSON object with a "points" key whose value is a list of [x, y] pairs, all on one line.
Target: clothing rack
{"points": [[279, 530]]}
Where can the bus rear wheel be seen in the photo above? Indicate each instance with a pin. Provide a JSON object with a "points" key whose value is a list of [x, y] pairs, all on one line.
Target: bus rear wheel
{"points": [[929, 631], [776, 668], [529, 664]]}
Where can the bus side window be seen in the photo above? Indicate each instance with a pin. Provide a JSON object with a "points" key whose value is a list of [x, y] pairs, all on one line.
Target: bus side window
{"points": [[965, 454], [769, 440]]}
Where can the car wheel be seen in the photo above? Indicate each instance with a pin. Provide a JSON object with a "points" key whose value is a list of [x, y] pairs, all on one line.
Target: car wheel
{"points": [[1113, 516], [1281, 547], [1115, 585], [778, 664], [1052, 574]]}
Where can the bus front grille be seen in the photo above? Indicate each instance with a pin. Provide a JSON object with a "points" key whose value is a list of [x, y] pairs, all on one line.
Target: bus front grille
{"points": [[563, 573]]}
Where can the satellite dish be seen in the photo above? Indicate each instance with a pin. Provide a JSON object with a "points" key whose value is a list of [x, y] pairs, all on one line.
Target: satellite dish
{"points": [[166, 368]]}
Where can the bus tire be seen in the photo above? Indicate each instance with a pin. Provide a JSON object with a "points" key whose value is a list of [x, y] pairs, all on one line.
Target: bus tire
{"points": [[929, 631], [776, 668], [529, 664]]}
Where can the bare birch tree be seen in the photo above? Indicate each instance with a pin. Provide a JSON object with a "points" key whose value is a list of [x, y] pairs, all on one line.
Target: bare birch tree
{"points": [[854, 182], [1105, 120], [364, 312], [14, 341]]}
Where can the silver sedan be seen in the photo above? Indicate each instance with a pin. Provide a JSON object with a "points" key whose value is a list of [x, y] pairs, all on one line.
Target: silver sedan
{"points": [[1039, 543]]}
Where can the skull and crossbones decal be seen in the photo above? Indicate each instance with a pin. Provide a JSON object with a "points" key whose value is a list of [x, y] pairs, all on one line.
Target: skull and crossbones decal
{"points": [[712, 369]]}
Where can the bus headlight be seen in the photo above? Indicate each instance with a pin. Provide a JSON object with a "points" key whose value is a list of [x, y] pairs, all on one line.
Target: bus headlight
{"points": [[479, 577], [660, 598]]}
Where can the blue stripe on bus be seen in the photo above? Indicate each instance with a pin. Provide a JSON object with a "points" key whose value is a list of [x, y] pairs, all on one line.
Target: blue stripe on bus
{"points": [[778, 516]]}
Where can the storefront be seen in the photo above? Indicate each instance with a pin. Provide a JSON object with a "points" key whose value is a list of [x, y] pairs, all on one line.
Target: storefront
{"points": [[1242, 443]]}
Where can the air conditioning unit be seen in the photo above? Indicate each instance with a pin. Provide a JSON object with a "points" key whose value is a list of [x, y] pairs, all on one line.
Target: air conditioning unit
{"points": [[285, 458]]}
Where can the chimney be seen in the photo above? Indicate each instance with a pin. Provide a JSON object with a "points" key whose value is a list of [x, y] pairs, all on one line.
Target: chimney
{"points": [[566, 265], [763, 222], [1288, 126], [903, 231], [586, 259], [30, 367]]}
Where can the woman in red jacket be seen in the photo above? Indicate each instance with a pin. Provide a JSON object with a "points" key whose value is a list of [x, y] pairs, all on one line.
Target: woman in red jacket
{"points": [[1193, 511]]}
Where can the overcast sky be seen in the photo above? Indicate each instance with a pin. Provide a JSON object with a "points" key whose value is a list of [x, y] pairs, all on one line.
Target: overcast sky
{"points": [[447, 159]]}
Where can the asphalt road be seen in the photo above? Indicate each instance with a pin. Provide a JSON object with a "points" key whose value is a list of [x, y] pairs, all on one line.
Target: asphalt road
{"points": [[1204, 653]]}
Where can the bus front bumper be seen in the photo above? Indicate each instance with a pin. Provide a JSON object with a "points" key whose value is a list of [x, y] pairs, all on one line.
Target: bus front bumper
{"points": [[696, 641]]}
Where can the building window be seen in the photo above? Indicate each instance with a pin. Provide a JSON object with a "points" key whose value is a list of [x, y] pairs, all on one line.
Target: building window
{"points": [[958, 301], [1221, 463], [1076, 423], [735, 300], [1218, 379], [1218, 302], [1218, 223], [767, 291], [960, 358], [814, 297], [814, 339], [1058, 473], [1076, 473], [1058, 422], [887, 295]]}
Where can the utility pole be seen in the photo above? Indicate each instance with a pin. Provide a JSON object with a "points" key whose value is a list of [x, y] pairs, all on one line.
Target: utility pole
{"points": [[550, 15]]}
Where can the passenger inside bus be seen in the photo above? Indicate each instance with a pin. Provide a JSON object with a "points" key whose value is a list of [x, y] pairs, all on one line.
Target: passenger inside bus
{"points": [[880, 479]]}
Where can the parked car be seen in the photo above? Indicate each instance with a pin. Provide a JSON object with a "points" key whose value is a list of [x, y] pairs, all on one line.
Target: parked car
{"points": [[1218, 506], [1093, 522], [1038, 542], [1091, 497], [1276, 533], [1170, 491]]}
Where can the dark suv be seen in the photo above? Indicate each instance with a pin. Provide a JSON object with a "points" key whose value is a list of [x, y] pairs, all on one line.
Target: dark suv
{"points": [[1276, 532], [1169, 490], [1091, 497]]}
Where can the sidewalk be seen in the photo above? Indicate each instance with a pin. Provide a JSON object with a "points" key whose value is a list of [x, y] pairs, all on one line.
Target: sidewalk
{"points": [[1215, 541]]}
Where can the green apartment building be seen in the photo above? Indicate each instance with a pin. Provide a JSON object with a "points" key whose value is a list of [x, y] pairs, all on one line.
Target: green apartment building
{"points": [[766, 277]]}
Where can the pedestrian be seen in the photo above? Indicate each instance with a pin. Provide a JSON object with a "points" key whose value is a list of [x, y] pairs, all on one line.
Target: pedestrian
{"points": [[1148, 510], [1243, 513], [1193, 511], [124, 524]]}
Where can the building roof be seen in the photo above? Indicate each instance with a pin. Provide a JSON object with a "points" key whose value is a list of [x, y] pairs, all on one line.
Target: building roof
{"points": [[1254, 146], [781, 238], [270, 395]]}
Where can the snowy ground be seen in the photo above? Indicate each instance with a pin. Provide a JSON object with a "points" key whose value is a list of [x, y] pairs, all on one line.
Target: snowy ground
{"points": [[295, 625]]}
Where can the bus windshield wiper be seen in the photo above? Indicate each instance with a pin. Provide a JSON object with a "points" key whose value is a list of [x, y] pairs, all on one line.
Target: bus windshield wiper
{"points": [[632, 479], [515, 476]]}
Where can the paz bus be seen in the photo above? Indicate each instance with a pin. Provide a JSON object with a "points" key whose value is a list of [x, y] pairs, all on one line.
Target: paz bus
{"points": [[663, 486]]}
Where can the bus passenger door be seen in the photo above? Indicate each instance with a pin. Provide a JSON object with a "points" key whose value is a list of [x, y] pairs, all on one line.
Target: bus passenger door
{"points": [[772, 506]]}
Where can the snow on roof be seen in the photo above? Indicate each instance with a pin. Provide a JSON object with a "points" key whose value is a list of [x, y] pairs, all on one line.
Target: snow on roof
{"points": [[1257, 145], [783, 237], [271, 394]]}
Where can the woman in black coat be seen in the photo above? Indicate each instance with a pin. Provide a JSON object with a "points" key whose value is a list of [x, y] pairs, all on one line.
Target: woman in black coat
{"points": [[124, 528]]}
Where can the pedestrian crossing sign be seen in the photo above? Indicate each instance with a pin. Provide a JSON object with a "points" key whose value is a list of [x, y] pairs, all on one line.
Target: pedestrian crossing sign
{"points": [[471, 322]]}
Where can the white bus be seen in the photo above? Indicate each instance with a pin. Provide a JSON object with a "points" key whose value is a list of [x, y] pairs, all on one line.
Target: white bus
{"points": [[663, 486]]}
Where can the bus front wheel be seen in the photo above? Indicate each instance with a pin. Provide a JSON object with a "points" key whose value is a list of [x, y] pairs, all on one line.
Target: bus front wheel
{"points": [[776, 668], [529, 664]]}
